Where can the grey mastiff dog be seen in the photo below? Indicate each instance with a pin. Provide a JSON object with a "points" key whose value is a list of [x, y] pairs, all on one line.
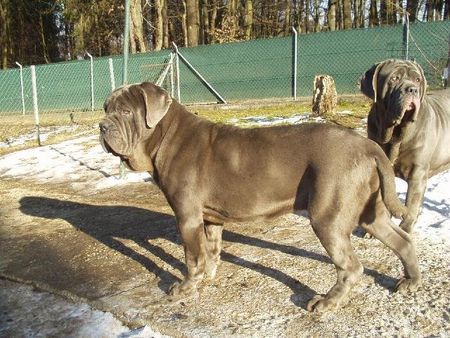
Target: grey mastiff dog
{"points": [[413, 128], [212, 174]]}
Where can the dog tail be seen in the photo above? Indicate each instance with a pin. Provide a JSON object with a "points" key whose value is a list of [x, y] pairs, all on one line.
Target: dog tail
{"points": [[387, 186]]}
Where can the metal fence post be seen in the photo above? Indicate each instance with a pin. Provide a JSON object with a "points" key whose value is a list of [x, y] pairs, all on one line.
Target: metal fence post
{"points": [[200, 76], [21, 87], [294, 62], [126, 38], [172, 84], [177, 71], [92, 80], [35, 103], [111, 74], [406, 37]]}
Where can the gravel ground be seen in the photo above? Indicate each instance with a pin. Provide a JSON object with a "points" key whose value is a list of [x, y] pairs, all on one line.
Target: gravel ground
{"points": [[118, 252]]}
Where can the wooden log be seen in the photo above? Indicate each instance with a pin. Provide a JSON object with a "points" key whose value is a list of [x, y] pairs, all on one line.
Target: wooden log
{"points": [[324, 96]]}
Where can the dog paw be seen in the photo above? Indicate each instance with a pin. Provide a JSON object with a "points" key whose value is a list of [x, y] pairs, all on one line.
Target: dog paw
{"points": [[407, 224], [368, 236], [211, 269], [321, 304], [183, 289], [408, 285]]}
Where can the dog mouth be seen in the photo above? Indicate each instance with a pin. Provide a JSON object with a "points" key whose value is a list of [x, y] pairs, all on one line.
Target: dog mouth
{"points": [[107, 148], [408, 112]]}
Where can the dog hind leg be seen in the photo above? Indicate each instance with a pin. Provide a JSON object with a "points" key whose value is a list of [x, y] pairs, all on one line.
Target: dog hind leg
{"points": [[337, 243], [402, 245]]}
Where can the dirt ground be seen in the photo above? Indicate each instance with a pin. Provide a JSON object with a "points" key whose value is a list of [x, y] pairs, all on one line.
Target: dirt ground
{"points": [[118, 251]]}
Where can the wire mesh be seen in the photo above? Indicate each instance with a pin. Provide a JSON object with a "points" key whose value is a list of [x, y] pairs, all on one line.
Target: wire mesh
{"points": [[237, 71]]}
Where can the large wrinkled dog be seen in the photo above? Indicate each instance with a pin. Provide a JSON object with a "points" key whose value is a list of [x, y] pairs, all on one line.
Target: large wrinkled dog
{"points": [[413, 128], [212, 174]]}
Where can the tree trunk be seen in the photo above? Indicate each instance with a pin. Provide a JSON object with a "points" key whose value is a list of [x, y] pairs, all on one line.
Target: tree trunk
{"points": [[347, 9], [411, 8], [165, 19], [232, 17], [192, 21], [137, 31], [212, 21], [159, 24], [43, 42], [316, 15], [340, 15], [184, 24], [4, 32], [204, 30], [324, 96], [358, 17], [373, 15], [287, 18], [248, 19], [446, 10], [331, 15], [306, 17]]}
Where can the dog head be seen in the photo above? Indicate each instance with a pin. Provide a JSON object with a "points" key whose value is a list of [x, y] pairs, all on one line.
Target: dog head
{"points": [[397, 88], [132, 113]]}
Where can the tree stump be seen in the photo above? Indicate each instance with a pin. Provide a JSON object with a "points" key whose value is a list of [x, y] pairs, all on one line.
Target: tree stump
{"points": [[324, 96]]}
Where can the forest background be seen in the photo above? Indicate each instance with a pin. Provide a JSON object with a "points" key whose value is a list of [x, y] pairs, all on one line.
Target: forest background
{"points": [[46, 31]]}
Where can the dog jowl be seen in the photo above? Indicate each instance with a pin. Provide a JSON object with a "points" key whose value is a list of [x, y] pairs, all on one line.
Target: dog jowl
{"points": [[212, 174]]}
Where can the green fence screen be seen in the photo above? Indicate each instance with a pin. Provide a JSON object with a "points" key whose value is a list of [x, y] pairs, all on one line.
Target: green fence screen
{"points": [[238, 71]]}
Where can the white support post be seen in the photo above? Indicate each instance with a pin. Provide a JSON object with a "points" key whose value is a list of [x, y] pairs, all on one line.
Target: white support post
{"points": [[21, 87], [111, 74], [35, 103], [92, 80], [294, 62], [172, 84], [177, 71]]}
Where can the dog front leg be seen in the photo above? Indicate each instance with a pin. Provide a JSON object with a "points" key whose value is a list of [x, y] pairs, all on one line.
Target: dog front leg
{"points": [[214, 246], [194, 242], [417, 183]]}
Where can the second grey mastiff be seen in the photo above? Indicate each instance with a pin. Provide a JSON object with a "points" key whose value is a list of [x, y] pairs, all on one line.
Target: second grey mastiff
{"points": [[212, 174], [413, 128]]}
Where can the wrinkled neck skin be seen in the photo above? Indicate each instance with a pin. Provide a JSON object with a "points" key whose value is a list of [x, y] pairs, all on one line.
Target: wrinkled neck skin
{"points": [[158, 142]]}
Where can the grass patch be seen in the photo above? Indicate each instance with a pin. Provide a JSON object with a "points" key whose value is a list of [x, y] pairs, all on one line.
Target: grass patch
{"points": [[85, 123]]}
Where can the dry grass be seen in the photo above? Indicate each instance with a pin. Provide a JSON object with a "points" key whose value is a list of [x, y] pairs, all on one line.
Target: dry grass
{"points": [[14, 126]]}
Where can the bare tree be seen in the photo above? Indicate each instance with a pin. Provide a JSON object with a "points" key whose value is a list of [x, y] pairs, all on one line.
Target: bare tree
{"points": [[159, 24], [192, 22], [4, 33], [347, 11], [331, 15], [411, 8], [373, 14], [248, 19]]}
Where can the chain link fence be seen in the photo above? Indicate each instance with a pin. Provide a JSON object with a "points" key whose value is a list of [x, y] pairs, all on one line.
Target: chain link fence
{"points": [[236, 71]]}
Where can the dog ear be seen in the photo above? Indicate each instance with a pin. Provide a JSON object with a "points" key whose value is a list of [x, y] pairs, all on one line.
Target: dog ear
{"points": [[368, 82], [157, 103]]}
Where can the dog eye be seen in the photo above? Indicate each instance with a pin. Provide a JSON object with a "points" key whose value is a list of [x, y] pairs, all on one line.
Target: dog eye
{"points": [[395, 78], [125, 113], [418, 80]]}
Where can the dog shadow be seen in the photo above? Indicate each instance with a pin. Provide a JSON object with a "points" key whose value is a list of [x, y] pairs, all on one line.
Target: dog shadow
{"points": [[107, 223]]}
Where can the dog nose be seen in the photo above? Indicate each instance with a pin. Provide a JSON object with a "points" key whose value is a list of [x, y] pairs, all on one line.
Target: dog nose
{"points": [[103, 127], [412, 90]]}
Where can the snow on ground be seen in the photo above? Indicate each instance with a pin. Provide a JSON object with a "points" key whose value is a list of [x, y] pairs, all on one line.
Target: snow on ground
{"points": [[45, 133], [33, 313], [275, 120]]}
